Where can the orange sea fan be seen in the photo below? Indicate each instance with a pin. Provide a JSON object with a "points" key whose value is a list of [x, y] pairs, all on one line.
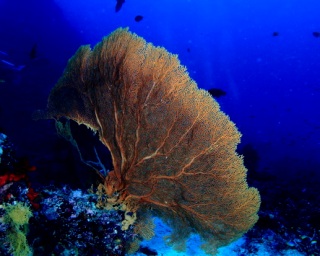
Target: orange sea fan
{"points": [[173, 150]]}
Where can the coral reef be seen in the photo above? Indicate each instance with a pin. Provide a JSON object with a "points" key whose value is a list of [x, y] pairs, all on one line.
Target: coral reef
{"points": [[62, 221], [13, 169], [67, 223], [17, 217], [71, 222], [2, 140], [173, 150]]}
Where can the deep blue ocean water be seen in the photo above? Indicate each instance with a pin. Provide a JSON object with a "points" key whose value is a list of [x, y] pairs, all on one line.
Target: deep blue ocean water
{"points": [[264, 54]]}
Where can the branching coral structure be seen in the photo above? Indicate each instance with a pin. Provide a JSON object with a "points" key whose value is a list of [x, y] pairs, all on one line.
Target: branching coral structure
{"points": [[173, 149]]}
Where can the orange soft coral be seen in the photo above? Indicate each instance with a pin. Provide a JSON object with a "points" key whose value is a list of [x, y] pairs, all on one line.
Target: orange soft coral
{"points": [[173, 150]]}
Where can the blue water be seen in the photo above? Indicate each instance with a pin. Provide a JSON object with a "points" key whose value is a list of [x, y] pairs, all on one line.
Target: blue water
{"points": [[272, 82]]}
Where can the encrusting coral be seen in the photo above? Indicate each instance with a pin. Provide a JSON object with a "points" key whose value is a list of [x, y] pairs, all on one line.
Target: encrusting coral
{"points": [[173, 150]]}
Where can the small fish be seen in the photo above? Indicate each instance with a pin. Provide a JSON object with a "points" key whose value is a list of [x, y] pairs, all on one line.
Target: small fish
{"points": [[9, 65], [119, 5], [138, 18], [2, 81], [33, 53], [316, 34], [5, 64], [216, 93], [275, 33]]}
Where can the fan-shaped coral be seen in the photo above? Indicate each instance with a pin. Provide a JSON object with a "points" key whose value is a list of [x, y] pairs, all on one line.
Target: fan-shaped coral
{"points": [[173, 150]]}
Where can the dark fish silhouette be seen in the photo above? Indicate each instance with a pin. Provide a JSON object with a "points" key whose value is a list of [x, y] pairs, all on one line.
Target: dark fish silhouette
{"points": [[275, 33], [216, 93], [316, 34], [138, 18], [188, 50], [147, 251], [33, 53], [119, 5]]}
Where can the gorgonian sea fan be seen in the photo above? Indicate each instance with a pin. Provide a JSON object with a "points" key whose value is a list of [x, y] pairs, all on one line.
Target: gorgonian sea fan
{"points": [[172, 148]]}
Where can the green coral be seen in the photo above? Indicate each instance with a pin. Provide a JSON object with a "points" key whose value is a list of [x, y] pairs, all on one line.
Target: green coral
{"points": [[17, 217], [19, 244], [18, 214]]}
